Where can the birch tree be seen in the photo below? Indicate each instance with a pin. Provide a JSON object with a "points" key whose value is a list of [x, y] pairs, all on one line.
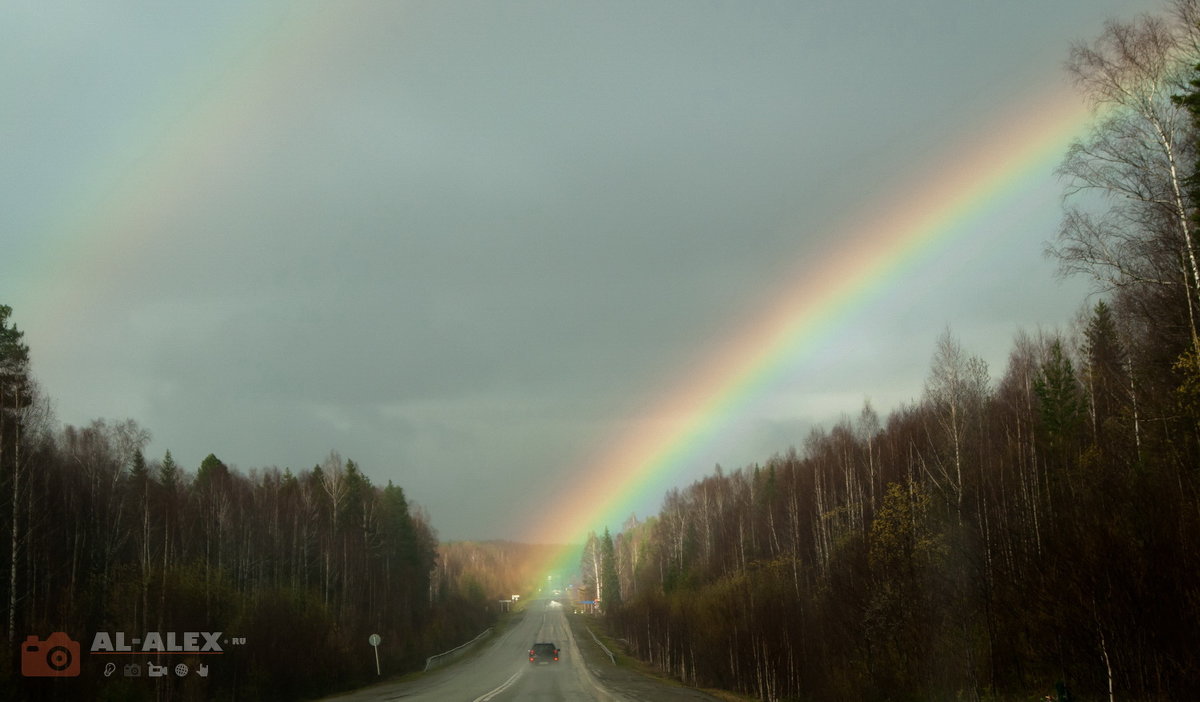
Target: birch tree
{"points": [[590, 567], [955, 391], [1136, 158]]}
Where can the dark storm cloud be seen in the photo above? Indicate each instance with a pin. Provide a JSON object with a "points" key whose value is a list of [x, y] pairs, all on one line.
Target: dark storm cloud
{"points": [[467, 244]]}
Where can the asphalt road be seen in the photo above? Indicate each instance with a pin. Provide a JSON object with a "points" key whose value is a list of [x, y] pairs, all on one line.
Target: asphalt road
{"points": [[502, 671]]}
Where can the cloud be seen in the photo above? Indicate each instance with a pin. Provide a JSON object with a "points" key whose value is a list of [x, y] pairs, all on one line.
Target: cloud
{"points": [[467, 245]]}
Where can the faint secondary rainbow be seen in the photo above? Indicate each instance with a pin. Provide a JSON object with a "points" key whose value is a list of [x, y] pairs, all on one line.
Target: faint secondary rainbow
{"points": [[98, 230], [880, 244], [183, 138]]}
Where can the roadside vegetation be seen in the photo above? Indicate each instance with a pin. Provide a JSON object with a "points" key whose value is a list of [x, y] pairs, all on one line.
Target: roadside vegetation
{"points": [[1007, 536], [304, 565]]}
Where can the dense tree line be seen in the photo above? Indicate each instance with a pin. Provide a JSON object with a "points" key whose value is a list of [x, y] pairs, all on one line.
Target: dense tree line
{"points": [[304, 565], [998, 536]]}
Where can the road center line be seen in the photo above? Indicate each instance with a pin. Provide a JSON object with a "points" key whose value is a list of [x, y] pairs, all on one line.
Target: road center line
{"points": [[504, 686]]}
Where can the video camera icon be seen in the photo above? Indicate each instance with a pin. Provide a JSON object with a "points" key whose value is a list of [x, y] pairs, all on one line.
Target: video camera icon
{"points": [[155, 671]]}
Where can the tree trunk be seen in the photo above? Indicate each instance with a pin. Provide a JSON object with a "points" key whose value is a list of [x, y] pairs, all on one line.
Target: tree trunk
{"points": [[15, 541]]}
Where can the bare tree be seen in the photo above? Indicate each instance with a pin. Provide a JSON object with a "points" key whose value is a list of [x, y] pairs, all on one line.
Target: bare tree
{"points": [[1136, 158], [333, 482], [955, 390], [128, 439]]}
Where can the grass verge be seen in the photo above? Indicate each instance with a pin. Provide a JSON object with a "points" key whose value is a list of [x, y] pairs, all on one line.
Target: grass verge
{"points": [[625, 659]]}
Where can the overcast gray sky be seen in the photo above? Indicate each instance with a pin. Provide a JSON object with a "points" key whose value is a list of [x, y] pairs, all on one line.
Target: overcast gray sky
{"points": [[466, 244]]}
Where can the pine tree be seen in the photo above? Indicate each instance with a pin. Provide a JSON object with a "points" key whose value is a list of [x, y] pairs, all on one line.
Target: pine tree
{"points": [[15, 394]]}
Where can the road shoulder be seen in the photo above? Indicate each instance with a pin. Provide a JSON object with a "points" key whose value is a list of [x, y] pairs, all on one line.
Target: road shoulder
{"points": [[622, 678]]}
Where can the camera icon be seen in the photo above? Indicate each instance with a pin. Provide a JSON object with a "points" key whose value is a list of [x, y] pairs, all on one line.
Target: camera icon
{"points": [[56, 657]]}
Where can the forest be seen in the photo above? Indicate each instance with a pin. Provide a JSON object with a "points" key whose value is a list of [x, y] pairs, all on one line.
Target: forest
{"points": [[1031, 535], [301, 566], [1011, 533]]}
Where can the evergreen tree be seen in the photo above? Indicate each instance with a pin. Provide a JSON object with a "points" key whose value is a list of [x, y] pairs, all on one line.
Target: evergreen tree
{"points": [[1060, 401], [168, 472], [15, 394], [1105, 376], [212, 473], [610, 583], [15, 388]]}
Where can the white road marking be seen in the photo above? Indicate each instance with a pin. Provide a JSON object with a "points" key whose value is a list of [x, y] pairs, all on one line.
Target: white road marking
{"points": [[504, 686]]}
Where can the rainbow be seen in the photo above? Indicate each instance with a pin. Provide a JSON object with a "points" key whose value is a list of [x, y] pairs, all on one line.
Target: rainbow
{"points": [[201, 124], [881, 244], [107, 205]]}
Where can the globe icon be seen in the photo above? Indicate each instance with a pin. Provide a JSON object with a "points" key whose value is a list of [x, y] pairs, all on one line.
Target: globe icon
{"points": [[181, 670]]}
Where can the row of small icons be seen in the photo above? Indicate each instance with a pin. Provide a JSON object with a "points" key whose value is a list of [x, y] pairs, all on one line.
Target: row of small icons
{"points": [[133, 670]]}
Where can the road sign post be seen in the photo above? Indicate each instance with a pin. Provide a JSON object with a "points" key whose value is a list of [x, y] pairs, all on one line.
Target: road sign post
{"points": [[374, 641]]}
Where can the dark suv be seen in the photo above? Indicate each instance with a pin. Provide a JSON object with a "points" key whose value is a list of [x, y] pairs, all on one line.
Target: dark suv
{"points": [[543, 653]]}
